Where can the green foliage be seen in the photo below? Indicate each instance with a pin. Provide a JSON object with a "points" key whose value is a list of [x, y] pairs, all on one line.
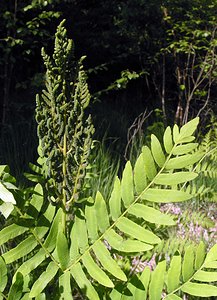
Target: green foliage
{"points": [[192, 274], [59, 250]]}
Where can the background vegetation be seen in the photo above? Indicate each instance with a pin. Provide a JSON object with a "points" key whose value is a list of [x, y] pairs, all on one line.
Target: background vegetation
{"points": [[141, 55]]}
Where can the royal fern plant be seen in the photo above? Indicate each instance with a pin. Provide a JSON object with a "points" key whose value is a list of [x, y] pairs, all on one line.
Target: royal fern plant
{"points": [[57, 245]]}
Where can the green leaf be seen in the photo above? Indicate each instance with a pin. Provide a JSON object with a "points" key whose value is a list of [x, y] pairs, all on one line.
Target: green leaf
{"points": [[36, 202], [211, 265], [82, 281], [183, 161], [139, 175], [108, 263], [175, 133], [16, 289], [200, 255], [211, 255], [62, 249], [136, 231], [131, 246], [145, 278], [150, 214], [167, 138], [3, 275], [174, 273], [205, 276], [50, 241], [157, 151], [174, 178], [32, 263], [91, 220], [95, 271], [5, 195], [184, 149], [115, 200], [101, 213], [43, 280], [189, 128], [127, 188], [150, 169], [22, 249], [200, 290], [81, 231], [165, 196], [6, 209], [188, 263], [157, 281], [10, 232], [74, 250], [65, 286]]}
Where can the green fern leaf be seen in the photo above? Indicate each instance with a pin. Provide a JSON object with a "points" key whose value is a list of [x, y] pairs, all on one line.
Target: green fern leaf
{"points": [[168, 141], [82, 281], [16, 289], [81, 229], [157, 281], [127, 187], [24, 248], [90, 215], [139, 175], [183, 161], [62, 247], [157, 151], [115, 200], [188, 263], [136, 231], [174, 273], [212, 255], [131, 246], [189, 128], [151, 215], [174, 178], [145, 279], [150, 168], [101, 212], [3, 275], [175, 134], [44, 279], [205, 276], [184, 149], [65, 286], [200, 290], [95, 271], [10, 232], [200, 255], [165, 196], [109, 264]]}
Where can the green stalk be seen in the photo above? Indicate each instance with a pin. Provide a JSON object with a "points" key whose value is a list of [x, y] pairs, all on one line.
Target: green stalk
{"points": [[64, 182]]}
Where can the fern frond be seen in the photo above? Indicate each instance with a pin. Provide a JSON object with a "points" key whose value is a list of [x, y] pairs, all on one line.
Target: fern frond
{"points": [[191, 274]]}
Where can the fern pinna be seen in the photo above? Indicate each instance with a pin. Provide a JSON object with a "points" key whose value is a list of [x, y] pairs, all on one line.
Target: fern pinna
{"points": [[60, 251]]}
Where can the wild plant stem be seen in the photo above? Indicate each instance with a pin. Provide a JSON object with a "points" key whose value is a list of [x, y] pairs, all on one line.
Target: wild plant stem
{"points": [[64, 182]]}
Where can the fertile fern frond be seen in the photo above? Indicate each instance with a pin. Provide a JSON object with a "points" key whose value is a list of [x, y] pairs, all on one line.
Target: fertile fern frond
{"points": [[126, 226], [191, 274], [64, 133]]}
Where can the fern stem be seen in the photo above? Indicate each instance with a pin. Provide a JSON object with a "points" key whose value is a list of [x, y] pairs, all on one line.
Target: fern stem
{"points": [[64, 182]]}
